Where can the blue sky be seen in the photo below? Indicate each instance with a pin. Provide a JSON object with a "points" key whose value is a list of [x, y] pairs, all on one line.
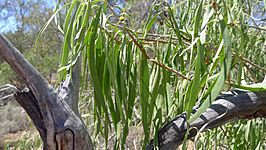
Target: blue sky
{"points": [[10, 23]]}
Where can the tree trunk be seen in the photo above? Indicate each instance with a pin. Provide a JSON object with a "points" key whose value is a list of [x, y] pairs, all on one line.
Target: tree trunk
{"points": [[53, 112]]}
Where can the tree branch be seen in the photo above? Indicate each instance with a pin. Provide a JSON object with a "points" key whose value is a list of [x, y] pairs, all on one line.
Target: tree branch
{"points": [[59, 126], [22, 67], [69, 89], [233, 105]]}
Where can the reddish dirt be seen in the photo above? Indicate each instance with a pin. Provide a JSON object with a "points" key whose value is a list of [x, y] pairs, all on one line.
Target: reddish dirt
{"points": [[13, 122]]}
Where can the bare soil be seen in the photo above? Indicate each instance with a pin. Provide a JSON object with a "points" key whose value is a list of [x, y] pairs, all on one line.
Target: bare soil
{"points": [[13, 122]]}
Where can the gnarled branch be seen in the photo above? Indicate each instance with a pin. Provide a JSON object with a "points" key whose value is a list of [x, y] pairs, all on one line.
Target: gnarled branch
{"points": [[57, 121]]}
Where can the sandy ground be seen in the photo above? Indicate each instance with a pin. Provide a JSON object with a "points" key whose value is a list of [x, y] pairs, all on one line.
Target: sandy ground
{"points": [[13, 122]]}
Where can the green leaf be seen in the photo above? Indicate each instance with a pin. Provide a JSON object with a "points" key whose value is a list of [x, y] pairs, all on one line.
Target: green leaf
{"points": [[258, 87], [150, 23], [92, 63], [144, 97], [197, 19], [195, 88], [226, 60], [207, 15]]}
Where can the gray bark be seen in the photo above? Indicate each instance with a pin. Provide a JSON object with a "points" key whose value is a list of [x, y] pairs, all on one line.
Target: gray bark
{"points": [[228, 107], [54, 114]]}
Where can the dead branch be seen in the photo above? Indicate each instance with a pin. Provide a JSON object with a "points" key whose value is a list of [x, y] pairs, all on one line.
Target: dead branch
{"points": [[228, 107], [55, 115]]}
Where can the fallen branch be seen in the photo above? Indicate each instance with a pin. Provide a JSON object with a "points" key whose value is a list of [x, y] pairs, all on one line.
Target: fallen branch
{"points": [[228, 107]]}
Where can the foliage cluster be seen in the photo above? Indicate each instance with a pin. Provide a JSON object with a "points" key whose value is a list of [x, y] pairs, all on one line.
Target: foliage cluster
{"points": [[142, 71], [184, 54]]}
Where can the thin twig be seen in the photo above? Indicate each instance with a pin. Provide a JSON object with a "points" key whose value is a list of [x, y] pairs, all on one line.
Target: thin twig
{"points": [[252, 64], [7, 87], [153, 60], [142, 49], [243, 59], [6, 97]]}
